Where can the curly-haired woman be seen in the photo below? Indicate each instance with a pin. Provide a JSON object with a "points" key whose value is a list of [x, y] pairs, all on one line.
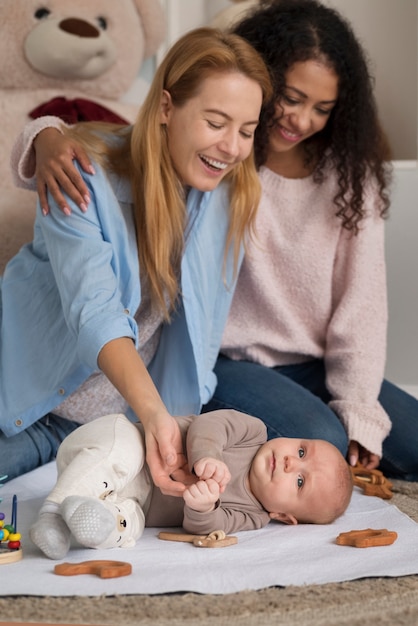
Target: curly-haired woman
{"points": [[305, 344]]}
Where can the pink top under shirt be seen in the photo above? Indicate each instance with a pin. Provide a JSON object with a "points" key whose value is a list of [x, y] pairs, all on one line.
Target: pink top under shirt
{"points": [[313, 290]]}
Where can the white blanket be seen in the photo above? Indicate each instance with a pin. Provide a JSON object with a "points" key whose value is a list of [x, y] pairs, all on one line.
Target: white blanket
{"points": [[277, 555]]}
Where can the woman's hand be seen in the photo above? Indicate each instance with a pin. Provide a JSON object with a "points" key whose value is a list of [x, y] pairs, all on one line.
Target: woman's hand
{"points": [[356, 452], [55, 171], [121, 363], [165, 455]]}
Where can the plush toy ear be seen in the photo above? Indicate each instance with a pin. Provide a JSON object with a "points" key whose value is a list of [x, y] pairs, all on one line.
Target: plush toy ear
{"points": [[154, 24], [285, 518]]}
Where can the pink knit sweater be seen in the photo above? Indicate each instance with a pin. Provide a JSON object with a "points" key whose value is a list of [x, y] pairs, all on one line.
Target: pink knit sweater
{"points": [[309, 289]]}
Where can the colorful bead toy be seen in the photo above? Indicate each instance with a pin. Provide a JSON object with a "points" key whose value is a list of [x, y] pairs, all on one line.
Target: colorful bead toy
{"points": [[10, 548]]}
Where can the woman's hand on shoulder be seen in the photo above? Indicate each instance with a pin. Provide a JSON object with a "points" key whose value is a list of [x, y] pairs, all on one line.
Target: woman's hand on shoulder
{"points": [[55, 170], [356, 452]]}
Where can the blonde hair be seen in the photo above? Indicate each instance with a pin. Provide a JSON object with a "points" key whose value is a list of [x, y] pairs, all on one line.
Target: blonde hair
{"points": [[143, 156]]}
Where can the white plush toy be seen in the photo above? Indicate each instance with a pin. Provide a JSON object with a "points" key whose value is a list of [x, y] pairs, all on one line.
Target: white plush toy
{"points": [[77, 59], [101, 488], [226, 18]]}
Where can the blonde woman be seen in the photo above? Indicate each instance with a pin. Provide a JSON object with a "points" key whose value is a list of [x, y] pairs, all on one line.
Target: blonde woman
{"points": [[121, 308]]}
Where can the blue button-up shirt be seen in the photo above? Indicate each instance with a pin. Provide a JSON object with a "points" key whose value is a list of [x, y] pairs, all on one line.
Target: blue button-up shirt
{"points": [[76, 287]]}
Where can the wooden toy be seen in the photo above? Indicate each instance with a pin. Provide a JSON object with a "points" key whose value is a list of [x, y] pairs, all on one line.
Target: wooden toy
{"points": [[101, 568], [372, 482], [367, 538], [216, 539]]}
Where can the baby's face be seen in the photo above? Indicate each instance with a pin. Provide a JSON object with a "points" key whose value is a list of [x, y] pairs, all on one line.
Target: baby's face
{"points": [[295, 476]]}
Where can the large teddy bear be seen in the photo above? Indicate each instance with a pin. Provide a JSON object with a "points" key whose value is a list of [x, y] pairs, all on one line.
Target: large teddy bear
{"points": [[78, 59]]}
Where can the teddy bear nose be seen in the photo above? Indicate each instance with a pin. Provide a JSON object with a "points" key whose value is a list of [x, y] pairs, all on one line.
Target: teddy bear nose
{"points": [[81, 28]]}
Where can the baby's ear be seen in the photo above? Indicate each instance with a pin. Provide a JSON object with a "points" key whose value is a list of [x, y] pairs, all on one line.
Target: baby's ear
{"points": [[285, 518]]}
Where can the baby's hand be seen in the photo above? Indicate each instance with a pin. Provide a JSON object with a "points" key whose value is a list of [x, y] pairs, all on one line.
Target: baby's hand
{"points": [[202, 496], [212, 468]]}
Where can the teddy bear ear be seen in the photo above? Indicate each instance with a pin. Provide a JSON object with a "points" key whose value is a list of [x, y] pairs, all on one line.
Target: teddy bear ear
{"points": [[154, 23]]}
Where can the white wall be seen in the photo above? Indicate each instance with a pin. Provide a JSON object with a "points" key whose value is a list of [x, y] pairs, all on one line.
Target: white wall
{"points": [[402, 271], [388, 32]]}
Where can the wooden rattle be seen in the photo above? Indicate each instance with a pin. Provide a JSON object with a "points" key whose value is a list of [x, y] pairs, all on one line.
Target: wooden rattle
{"points": [[372, 482], [216, 539], [10, 551]]}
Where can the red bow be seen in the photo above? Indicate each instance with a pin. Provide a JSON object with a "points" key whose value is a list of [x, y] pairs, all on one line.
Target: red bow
{"points": [[77, 110]]}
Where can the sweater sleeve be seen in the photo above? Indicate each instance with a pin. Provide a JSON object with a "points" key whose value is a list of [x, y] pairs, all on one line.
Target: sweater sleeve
{"points": [[84, 260], [230, 519], [22, 157], [356, 336], [210, 434]]}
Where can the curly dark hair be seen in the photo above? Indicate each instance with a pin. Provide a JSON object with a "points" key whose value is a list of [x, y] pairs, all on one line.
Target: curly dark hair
{"points": [[286, 32]]}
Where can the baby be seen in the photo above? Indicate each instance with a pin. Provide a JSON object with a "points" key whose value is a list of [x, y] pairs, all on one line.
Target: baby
{"points": [[104, 496]]}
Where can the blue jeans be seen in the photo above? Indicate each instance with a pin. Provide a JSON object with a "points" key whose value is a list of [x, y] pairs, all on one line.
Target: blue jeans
{"points": [[292, 402], [34, 446]]}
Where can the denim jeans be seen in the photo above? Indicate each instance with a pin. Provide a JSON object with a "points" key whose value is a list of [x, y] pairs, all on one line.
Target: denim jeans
{"points": [[34, 446], [292, 402]]}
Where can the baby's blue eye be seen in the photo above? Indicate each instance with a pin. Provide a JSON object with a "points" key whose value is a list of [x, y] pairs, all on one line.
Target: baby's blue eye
{"points": [[301, 452], [300, 482]]}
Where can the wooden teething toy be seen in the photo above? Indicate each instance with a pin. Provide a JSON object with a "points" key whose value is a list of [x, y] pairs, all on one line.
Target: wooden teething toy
{"points": [[216, 539], [372, 482], [367, 538], [103, 569]]}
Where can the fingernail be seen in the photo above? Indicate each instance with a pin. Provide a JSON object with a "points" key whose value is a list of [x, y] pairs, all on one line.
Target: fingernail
{"points": [[87, 198], [66, 210], [353, 460], [83, 207], [92, 170], [44, 212]]}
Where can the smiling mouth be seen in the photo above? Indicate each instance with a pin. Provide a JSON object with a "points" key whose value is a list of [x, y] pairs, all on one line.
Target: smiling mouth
{"points": [[288, 134], [213, 164]]}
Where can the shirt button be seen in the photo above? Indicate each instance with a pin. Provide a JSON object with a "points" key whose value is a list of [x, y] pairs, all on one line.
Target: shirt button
{"points": [[18, 423], [126, 311], [61, 391]]}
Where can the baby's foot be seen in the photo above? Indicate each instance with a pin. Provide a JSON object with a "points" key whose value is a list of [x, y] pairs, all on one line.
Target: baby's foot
{"points": [[98, 523], [51, 534], [88, 520]]}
